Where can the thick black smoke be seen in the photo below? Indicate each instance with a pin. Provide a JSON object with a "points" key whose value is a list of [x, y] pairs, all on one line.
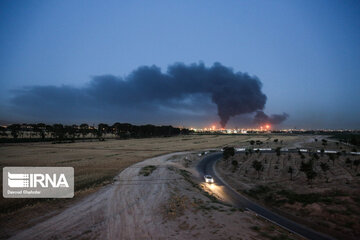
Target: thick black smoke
{"points": [[234, 93], [261, 118]]}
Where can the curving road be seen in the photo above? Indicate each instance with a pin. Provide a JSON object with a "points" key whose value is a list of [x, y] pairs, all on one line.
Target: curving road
{"points": [[206, 166]]}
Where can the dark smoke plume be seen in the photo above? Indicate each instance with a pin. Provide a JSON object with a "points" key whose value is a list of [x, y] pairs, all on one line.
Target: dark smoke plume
{"points": [[146, 88], [261, 118]]}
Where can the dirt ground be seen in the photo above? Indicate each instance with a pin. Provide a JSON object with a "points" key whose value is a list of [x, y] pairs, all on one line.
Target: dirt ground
{"points": [[165, 204], [329, 203], [96, 164]]}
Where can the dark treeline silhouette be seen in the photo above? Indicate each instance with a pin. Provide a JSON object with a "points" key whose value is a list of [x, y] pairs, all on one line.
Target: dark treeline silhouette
{"points": [[70, 133]]}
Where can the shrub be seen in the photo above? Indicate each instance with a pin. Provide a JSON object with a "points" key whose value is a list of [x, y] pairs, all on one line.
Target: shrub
{"points": [[228, 152], [147, 170]]}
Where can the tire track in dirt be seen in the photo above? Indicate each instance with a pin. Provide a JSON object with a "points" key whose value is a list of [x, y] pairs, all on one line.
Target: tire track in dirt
{"points": [[118, 211]]}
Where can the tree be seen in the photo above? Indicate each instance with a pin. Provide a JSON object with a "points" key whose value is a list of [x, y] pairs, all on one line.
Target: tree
{"points": [[316, 156], [332, 158], [249, 151], [3, 131], [84, 129], [325, 167], [185, 131], [288, 159], [42, 134], [291, 170], [307, 168], [278, 152], [15, 129], [93, 131], [127, 130], [252, 142], [102, 129], [228, 152], [59, 131], [310, 175], [235, 164], [14, 133], [348, 162], [49, 129], [258, 166], [322, 152], [356, 163], [71, 132]]}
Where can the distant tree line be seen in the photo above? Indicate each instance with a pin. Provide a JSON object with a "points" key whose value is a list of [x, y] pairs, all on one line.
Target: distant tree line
{"points": [[60, 132]]}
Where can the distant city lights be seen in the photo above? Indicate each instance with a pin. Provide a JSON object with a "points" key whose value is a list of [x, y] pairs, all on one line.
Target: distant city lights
{"points": [[265, 128], [214, 128]]}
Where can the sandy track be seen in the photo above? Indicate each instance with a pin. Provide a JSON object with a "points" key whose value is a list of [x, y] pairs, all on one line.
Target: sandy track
{"points": [[118, 211]]}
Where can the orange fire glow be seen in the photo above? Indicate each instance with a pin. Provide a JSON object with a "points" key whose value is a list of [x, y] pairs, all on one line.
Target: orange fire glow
{"points": [[267, 126]]}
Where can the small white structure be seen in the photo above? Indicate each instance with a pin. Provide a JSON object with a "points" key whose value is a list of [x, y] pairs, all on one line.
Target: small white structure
{"points": [[303, 150], [262, 149], [355, 153], [330, 151], [327, 151], [240, 149], [265, 149]]}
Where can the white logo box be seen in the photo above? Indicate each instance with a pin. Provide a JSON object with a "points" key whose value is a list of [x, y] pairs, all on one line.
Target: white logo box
{"points": [[38, 182]]}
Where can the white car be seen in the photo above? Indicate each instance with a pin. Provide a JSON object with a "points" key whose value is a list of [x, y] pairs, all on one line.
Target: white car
{"points": [[208, 179]]}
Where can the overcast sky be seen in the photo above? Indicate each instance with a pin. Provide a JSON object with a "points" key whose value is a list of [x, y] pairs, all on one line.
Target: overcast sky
{"points": [[59, 59]]}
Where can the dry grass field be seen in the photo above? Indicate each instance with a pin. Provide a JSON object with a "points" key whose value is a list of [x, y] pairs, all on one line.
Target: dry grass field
{"points": [[96, 163], [330, 202]]}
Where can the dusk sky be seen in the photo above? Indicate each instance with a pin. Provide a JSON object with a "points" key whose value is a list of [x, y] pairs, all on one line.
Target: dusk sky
{"points": [[185, 63]]}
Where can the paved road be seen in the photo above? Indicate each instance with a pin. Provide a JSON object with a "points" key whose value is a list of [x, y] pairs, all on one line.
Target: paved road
{"points": [[206, 166]]}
